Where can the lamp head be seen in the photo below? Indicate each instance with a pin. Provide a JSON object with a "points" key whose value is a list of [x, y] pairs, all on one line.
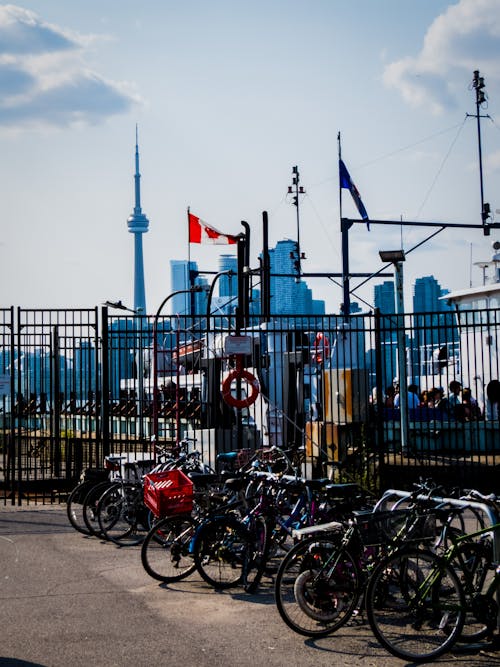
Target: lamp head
{"points": [[393, 256]]}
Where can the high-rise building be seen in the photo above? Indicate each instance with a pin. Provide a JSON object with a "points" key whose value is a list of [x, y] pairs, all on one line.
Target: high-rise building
{"points": [[228, 284], [185, 275], [384, 298], [290, 295], [426, 293], [435, 330]]}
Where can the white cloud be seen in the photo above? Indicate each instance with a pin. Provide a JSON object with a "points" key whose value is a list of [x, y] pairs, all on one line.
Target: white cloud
{"points": [[44, 78], [464, 38]]}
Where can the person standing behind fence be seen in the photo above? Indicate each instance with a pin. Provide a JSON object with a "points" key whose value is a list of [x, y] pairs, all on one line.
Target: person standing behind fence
{"points": [[413, 397], [390, 393], [471, 409], [450, 404]]}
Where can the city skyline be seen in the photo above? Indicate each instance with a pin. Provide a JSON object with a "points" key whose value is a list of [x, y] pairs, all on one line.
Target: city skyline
{"points": [[295, 297], [220, 134]]}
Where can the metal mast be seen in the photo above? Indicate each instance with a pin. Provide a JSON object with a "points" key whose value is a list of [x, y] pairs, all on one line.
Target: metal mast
{"points": [[295, 189], [478, 85]]}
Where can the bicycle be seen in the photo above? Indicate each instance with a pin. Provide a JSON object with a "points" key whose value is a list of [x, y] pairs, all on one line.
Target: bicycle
{"points": [[122, 515], [321, 581], [419, 602], [227, 544], [167, 551], [76, 507]]}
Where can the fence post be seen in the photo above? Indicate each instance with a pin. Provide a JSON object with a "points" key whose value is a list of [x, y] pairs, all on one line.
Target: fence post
{"points": [[56, 402], [379, 395], [12, 441], [17, 411], [105, 382]]}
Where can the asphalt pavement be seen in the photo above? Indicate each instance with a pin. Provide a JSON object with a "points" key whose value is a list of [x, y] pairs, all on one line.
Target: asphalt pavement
{"points": [[68, 600]]}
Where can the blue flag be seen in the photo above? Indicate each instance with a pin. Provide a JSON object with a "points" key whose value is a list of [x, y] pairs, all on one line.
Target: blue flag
{"points": [[346, 182]]}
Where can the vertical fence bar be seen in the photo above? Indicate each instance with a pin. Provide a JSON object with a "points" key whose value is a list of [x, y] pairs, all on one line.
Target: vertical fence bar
{"points": [[380, 395], [12, 441], [105, 386], [17, 411]]}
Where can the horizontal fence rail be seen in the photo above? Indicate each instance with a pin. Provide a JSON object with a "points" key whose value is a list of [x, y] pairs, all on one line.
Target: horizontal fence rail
{"points": [[375, 399]]}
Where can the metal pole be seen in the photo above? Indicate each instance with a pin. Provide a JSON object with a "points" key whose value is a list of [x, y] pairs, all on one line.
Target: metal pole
{"points": [[478, 83], [345, 224], [401, 346], [379, 406], [105, 383], [140, 371], [246, 276], [266, 270]]}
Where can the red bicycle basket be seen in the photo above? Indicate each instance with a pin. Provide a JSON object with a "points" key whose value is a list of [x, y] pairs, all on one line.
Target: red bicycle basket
{"points": [[169, 492]]}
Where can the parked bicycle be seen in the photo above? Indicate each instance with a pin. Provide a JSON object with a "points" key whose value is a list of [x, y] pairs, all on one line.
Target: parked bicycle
{"points": [[321, 581], [419, 604]]}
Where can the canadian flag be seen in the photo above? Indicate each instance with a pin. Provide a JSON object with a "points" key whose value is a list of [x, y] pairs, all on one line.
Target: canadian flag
{"points": [[200, 232]]}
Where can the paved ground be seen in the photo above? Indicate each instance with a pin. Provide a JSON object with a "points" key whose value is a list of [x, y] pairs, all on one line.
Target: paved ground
{"points": [[67, 600]]}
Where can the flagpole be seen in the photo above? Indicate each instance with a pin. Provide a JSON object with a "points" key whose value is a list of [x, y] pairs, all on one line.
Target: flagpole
{"points": [[189, 241], [344, 231], [190, 308], [339, 151]]}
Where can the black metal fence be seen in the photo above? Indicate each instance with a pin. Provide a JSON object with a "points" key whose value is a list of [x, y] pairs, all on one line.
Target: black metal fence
{"points": [[77, 385]]}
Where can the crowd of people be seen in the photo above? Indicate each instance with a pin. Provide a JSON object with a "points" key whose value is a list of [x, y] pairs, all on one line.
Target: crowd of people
{"points": [[457, 404]]}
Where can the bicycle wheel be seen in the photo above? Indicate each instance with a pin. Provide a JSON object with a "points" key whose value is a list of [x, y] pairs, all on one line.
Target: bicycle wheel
{"points": [[257, 555], [475, 560], [74, 506], [121, 514], [220, 550], [166, 551], [415, 605], [90, 507], [318, 586]]}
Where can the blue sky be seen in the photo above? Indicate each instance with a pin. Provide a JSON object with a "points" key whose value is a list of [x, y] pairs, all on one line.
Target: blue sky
{"points": [[228, 96]]}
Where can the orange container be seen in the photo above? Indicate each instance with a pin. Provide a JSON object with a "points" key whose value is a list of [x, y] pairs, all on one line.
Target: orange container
{"points": [[168, 492]]}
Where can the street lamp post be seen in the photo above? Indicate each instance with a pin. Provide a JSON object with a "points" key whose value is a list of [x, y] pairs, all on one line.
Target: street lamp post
{"points": [[397, 257]]}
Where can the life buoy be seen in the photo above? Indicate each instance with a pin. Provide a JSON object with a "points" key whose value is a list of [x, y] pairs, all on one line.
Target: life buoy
{"points": [[321, 348], [253, 383]]}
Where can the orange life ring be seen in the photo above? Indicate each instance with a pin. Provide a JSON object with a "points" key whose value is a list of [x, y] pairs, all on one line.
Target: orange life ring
{"points": [[253, 383], [321, 347]]}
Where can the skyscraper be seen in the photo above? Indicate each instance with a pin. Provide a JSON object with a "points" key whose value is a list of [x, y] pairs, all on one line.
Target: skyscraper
{"points": [[228, 284], [289, 294], [385, 302], [435, 329], [384, 297], [184, 274], [138, 224]]}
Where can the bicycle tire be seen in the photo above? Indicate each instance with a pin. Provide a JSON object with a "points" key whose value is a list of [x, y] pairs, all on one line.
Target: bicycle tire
{"points": [[318, 586], [220, 548], [407, 614], [166, 551], [257, 555], [90, 507], [74, 506], [121, 514], [481, 616]]}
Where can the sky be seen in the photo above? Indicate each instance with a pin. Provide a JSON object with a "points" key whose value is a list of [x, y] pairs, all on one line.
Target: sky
{"points": [[228, 96]]}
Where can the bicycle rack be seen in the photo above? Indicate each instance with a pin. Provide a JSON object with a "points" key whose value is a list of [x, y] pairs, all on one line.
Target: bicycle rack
{"points": [[488, 510]]}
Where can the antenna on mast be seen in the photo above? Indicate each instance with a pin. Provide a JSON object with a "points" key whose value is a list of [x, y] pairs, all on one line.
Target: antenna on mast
{"points": [[295, 189]]}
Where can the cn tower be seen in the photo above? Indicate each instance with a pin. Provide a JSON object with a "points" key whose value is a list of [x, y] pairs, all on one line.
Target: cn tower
{"points": [[138, 224]]}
